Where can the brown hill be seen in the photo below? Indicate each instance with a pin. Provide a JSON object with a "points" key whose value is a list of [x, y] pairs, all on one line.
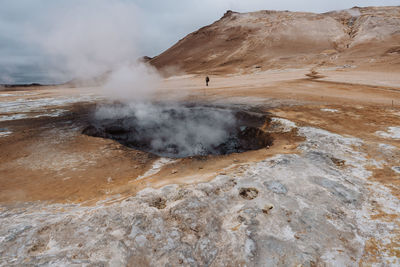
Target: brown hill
{"points": [[281, 39]]}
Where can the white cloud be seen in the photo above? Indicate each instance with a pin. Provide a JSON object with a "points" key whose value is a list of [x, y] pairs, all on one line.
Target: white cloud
{"points": [[36, 32]]}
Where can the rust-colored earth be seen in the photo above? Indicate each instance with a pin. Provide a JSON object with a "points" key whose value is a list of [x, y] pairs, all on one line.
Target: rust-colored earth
{"points": [[42, 160]]}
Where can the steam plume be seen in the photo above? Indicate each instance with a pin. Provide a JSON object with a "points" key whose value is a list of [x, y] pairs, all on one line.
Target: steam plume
{"points": [[98, 39]]}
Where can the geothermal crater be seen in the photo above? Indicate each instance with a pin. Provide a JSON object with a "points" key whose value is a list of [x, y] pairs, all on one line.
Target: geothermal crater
{"points": [[177, 131]]}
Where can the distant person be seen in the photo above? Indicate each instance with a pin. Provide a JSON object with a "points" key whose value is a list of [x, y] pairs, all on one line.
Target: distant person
{"points": [[207, 80]]}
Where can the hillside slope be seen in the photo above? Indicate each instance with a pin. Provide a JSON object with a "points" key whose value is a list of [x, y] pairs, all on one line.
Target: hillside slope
{"points": [[282, 39]]}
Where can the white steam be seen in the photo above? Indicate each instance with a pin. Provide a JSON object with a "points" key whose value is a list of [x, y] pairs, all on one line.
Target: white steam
{"points": [[136, 81], [354, 12], [171, 130], [99, 40]]}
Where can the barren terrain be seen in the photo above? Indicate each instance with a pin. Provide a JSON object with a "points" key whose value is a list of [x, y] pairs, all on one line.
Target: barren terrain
{"points": [[325, 193], [265, 40]]}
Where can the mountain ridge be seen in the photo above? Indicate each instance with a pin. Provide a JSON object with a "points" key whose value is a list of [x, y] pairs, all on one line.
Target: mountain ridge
{"points": [[268, 39]]}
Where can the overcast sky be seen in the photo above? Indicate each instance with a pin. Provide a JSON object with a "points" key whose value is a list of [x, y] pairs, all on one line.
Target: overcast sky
{"points": [[34, 32]]}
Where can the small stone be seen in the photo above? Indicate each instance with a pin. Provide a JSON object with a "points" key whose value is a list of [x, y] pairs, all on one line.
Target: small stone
{"points": [[267, 208], [241, 218], [109, 180], [174, 171], [158, 203], [338, 162]]}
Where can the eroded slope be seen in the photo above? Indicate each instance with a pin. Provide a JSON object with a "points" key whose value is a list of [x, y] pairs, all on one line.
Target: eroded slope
{"points": [[282, 39]]}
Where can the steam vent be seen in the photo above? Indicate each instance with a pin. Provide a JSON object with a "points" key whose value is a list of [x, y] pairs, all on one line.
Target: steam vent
{"points": [[267, 138], [183, 131]]}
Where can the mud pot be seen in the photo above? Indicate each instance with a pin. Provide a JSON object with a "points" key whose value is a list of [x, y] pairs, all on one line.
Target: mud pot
{"points": [[178, 131]]}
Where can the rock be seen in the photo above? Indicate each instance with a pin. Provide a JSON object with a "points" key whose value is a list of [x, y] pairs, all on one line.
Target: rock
{"points": [[341, 192], [338, 162], [158, 203], [276, 187], [248, 193], [174, 171], [267, 208]]}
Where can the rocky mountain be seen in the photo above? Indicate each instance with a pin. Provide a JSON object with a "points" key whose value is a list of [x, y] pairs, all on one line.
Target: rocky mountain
{"points": [[282, 39]]}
